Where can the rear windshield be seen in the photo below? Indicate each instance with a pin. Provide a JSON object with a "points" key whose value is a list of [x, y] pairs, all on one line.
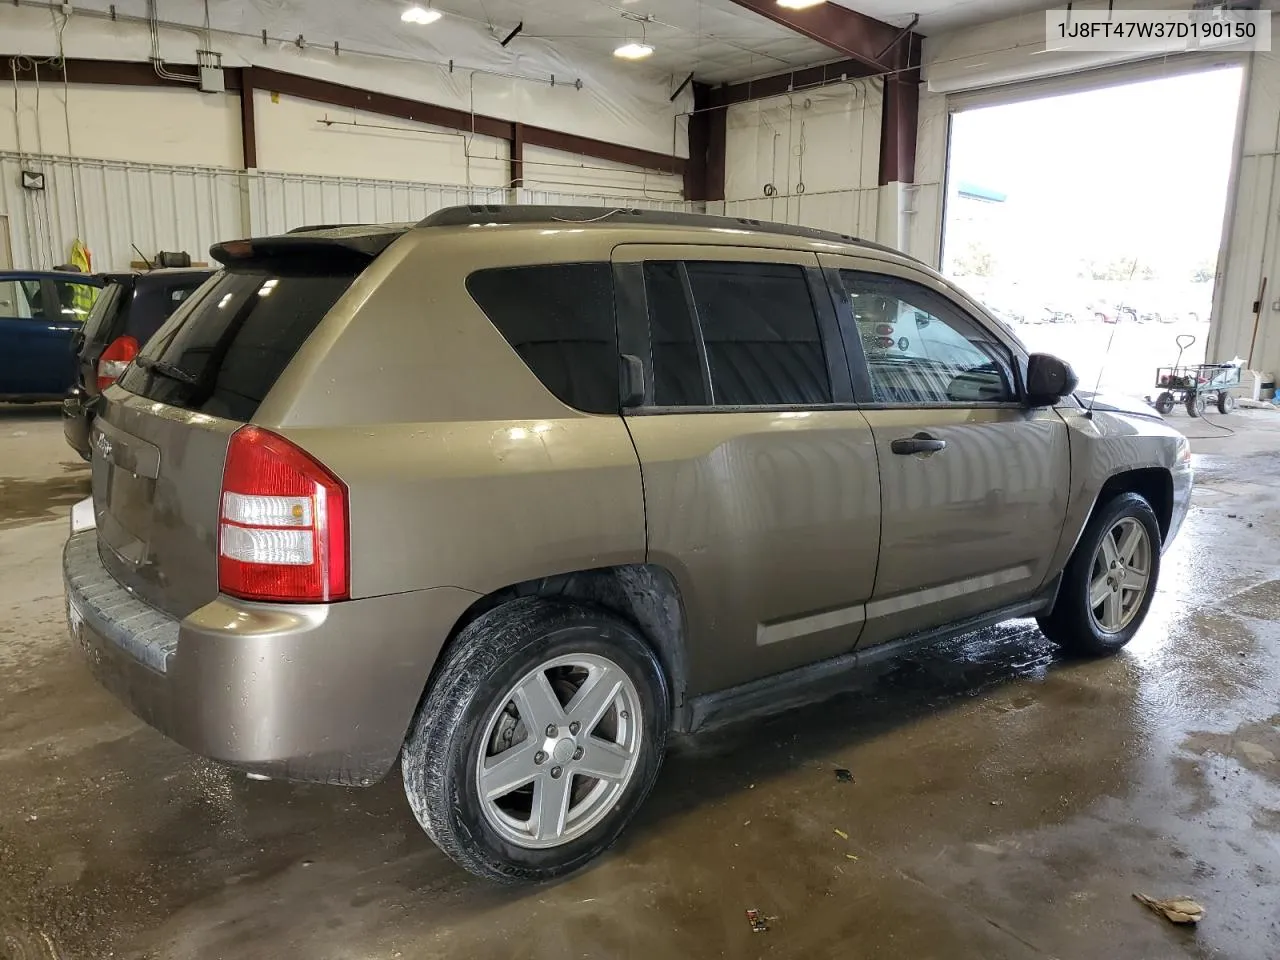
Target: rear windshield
{"points": [[225, 347], [98, 325]]}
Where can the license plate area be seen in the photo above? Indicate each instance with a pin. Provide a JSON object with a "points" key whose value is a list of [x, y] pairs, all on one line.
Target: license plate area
{"points": [[125, 471]]}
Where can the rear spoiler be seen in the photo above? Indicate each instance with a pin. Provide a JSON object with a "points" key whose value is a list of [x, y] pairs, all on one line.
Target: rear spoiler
{"points": [[353, 247]]}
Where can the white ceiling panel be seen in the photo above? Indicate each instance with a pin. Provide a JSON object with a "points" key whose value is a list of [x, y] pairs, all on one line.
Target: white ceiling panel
{"points": [[717, 39], [937, 16]]}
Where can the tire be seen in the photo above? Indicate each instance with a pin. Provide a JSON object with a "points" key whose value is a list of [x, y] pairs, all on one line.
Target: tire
{"points": [[1226, 402], [1196, 402], [1074, 624], [472, 708], [1165, 403]]}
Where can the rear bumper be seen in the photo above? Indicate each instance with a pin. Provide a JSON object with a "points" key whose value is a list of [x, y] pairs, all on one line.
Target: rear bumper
{"points": [[320, 692], [77, 418]]}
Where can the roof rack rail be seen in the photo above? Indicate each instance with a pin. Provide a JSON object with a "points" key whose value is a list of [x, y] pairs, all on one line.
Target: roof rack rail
{"points": [[309, 227], [617, 216]]}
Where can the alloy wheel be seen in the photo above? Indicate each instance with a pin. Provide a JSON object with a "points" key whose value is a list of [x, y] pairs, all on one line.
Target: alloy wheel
{"points": [[558, 750], [1120, 576]]}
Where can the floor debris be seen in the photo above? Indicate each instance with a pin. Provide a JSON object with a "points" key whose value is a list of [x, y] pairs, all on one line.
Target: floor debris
{"points": [[758, 924], [843, 775], [841, 834], [1174, 909]]}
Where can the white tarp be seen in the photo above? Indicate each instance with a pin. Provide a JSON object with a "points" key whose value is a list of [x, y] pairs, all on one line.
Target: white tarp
{"points": [[619, 103]]}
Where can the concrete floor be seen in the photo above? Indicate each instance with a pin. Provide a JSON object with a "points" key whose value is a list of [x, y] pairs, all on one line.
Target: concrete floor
{"points": [[1006, 803]]}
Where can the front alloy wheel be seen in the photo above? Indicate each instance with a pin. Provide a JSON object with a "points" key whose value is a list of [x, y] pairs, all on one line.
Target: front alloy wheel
{"points": [[1121, 573], [1107, 585]]}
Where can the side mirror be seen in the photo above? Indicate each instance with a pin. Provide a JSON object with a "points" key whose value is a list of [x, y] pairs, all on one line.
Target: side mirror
{"points": [[1048, 380]]}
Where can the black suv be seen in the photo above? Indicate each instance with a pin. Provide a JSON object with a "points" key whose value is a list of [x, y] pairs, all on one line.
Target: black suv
{"points": [[129, 311]]}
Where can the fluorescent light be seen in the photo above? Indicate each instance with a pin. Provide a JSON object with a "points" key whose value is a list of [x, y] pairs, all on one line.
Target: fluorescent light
{"points": [[420, 16], [799, 4], [633, 51]]}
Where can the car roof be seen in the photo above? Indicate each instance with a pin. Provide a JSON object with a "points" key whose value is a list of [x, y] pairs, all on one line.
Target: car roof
{"points": [[613, 217], [93, 279], [163, 273], [369, 240]]}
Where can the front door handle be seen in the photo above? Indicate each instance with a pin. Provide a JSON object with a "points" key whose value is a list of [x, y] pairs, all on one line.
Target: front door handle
{"points": [[920, 443]]}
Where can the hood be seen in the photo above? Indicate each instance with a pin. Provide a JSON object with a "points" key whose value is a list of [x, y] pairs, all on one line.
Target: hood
{"points": [[1117, 403]]}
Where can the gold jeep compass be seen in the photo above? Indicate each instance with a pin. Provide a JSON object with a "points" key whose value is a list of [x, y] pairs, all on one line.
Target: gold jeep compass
{"points": [[511, 494]]}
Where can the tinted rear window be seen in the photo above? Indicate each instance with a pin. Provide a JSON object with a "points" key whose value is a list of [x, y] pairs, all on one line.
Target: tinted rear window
{"points": [[99, 325], [559, 319], [234, 339]]}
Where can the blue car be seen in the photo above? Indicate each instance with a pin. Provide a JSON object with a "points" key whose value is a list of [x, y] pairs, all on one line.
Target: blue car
{"points": [[41, 311]]}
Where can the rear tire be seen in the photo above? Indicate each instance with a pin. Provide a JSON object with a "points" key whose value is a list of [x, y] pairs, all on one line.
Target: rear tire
{"points": [[1226, 402], [1077, 624], [491, 702], [1165, 403], [1196, 403]]}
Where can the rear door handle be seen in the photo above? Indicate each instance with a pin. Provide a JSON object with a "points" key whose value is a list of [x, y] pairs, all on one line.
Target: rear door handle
{"points": [[920, 443]]}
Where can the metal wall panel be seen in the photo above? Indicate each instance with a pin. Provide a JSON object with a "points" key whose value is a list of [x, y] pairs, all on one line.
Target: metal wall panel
{"points": [[113, 205], [555, 198], [852, 212], [282, 201]]}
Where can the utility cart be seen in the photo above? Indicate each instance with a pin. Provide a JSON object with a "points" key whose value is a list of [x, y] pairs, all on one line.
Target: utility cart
{"points": [[1194, 385]]}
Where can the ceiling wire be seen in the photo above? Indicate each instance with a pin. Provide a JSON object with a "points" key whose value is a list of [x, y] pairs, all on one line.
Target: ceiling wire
{"points": [[293, 41]]}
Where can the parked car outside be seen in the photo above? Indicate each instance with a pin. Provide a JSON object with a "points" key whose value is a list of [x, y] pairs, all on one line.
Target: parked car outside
{"points": [[40, 312], [126, 315], [512, 495]]}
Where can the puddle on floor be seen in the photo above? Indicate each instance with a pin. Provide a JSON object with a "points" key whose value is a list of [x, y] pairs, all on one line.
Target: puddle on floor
{"points": [[24, 501]]}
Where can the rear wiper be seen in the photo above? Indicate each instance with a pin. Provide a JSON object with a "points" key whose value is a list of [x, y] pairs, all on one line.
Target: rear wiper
{"points": [[166, 369]]}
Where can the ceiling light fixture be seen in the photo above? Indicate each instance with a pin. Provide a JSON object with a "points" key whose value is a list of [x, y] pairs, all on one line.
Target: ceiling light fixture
{"points": [[799, 4], [635, 49], [421, 16], [631, 50]]}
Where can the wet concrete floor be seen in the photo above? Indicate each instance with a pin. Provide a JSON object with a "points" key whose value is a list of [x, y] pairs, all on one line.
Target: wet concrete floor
{"points": [[1005, 802]]}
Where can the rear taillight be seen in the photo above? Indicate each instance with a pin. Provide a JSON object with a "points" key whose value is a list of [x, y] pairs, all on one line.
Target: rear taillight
{"points": [[114, 359], [883, 329], [282, 534]]}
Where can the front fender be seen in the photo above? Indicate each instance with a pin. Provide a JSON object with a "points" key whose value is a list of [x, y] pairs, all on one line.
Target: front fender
{"points": [[1107, 444]]}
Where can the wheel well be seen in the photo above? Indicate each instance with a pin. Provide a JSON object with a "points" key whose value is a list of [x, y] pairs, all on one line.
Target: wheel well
{"points": [[643, 594], [1153, 484]]}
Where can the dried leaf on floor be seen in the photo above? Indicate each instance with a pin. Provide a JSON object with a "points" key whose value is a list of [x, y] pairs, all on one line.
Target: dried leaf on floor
{"points": [[841, 834], [1174, 909]]}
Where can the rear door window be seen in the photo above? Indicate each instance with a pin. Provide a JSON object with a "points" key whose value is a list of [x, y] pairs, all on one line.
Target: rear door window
{"points": [[15, 300], [559, 318], [758, 332], [221, 352], [679, 377]]}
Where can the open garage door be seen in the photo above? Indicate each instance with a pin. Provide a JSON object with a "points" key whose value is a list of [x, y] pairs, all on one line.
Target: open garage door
{"points": [[1088, 213]]}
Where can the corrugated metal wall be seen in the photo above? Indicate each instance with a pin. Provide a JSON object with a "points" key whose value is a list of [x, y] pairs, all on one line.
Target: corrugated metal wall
{"points": [[282, 201], [810, 158], [113, 205], [852, 212], [551, 197]]}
